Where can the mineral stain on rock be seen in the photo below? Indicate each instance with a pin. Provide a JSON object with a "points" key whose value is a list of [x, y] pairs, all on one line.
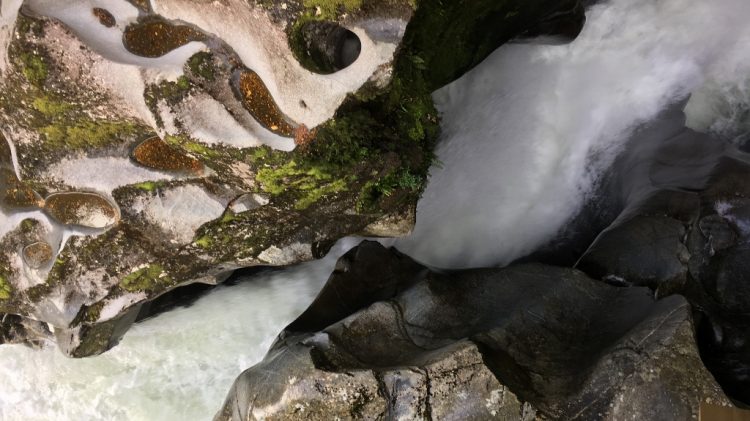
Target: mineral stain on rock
{"points": [[157, 154], [105, 18], [81, 209], [154, 37], [37, 254], [259, 102]]}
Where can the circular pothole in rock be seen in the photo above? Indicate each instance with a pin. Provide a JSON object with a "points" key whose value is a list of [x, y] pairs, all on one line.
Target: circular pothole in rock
{"points": [[325, 47], [81, 209], [37, 254]]}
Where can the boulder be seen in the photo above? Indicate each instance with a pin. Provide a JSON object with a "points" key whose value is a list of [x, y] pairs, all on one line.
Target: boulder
{"points": [[692, 243], [524, 342]]}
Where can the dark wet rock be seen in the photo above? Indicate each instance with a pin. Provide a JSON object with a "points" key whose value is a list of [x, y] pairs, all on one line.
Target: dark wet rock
{"points": [[693, 243], [514, 343], [563, 24], [105, 18], [717, 231], [19, 330], [461, 47], [644, 251]]}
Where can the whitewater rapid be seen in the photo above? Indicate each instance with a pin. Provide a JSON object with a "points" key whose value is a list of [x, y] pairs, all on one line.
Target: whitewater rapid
{"points": [[526, 136], [527, 133], [176, 366]]}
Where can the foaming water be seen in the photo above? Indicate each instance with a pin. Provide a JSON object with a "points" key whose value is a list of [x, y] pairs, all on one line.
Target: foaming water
{"points": [[527, 133], [176, 366]]}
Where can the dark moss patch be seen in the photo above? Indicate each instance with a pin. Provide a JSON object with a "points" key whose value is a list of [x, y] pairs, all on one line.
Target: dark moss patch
{"points": [[201, 64]]}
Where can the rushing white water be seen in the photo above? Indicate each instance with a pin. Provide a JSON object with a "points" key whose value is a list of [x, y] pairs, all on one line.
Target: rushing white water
{"points": [[528, 131], [520, 136], [176, 366]]}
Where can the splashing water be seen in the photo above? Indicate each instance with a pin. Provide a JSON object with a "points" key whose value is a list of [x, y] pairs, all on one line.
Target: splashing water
{"points": [[176, 366], [520, 132], [528, 131]]}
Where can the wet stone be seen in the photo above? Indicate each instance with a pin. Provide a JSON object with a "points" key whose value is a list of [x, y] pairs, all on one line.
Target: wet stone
{"points": [[105, 18], [259, 102], [82, 209], [718, 232], [37, 254], [157, 154], [156, 37]]}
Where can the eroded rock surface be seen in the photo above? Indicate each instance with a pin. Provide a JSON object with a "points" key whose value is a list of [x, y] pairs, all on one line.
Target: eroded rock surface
{"points": [[389, 339], [155, 144], [684, 231]]}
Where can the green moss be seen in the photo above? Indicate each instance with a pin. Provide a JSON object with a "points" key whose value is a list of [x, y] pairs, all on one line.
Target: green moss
{"points": [[50, 107], [145, 279], [33, 68], [191, 145], [183, 83], [317, 193], [148, 186], [204, 242], [5, 288], [346, 139], [199, 148], [85, 133], [290, 176], [27, 225], [306, 181], [201, 64]]}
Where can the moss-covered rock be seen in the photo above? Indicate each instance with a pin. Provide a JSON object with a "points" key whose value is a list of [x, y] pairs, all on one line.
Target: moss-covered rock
{"points": [[168, 154]]}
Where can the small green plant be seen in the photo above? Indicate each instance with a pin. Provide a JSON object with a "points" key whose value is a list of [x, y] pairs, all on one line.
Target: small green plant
{"points": [[374, 191]]}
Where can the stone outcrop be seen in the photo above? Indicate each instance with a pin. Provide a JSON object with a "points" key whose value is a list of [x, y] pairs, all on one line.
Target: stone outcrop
{"points": [[389, 339], [150, 145]]}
